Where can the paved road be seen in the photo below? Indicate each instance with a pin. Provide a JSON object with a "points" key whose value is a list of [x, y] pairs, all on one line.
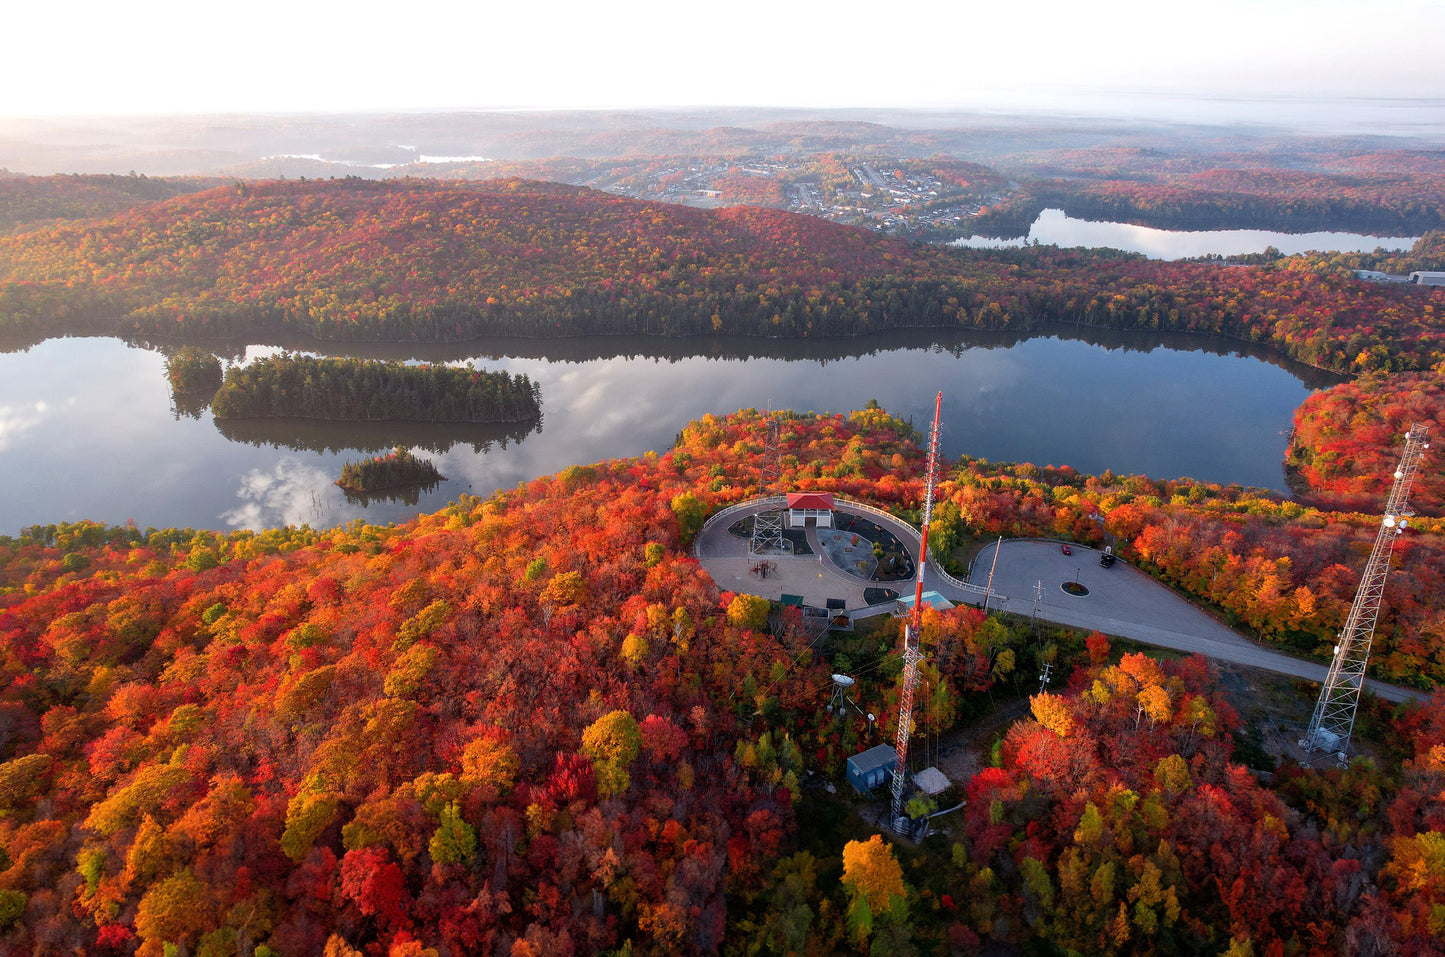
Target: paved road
{"points": [[1122, 601]]}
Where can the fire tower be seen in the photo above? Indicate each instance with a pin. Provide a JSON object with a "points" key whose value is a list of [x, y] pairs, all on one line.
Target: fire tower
{"points": [[1334, 717]]}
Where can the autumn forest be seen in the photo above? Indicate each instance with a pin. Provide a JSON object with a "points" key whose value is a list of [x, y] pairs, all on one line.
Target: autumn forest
{"points": [[532, 724]]}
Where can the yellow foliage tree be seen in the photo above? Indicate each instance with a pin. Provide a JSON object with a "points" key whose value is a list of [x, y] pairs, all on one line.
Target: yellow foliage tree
{"points": [[490, 762], [874, 880], [1155, 705], [612, 742], [1052, 712], [748, 611], [172, 911]]}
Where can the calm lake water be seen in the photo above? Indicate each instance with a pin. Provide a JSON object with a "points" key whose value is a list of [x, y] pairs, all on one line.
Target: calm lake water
{"points": [[1053, 228], [89, 429]]}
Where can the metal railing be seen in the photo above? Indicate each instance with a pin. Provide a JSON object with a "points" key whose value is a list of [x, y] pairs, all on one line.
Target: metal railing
{"points": [[743, 506]]}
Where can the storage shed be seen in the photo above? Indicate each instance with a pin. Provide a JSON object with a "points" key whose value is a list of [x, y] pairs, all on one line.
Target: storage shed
{"points": [[868, 769]]}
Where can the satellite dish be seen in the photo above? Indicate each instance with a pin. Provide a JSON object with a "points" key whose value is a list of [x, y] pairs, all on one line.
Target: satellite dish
{"points": [[843, 681]]}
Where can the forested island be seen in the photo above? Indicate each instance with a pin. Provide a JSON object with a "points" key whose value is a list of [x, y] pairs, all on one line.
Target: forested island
{"points": [[300, 386], [443, 261], [395, 470], [193, 371], [534, 724]]}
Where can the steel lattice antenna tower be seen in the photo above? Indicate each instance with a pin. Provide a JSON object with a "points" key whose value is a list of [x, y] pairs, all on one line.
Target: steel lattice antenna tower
{"points": [[1334, 718], [912, 655], [768, 526]]}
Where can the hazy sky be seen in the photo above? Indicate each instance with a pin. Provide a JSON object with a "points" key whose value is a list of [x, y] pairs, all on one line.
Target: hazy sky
{"points": [[149, 56]]}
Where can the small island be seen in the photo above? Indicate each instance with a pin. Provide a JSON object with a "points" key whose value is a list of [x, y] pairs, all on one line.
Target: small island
{"points": [[194, 375], [193, 370], [369, 390], [397, 469]]}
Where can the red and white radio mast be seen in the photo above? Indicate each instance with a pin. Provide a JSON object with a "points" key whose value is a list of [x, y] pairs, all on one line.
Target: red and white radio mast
{"points": [[911, 653]]}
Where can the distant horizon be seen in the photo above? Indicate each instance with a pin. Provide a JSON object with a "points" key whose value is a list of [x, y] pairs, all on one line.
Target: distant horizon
{"points": [[165, 57], [1039, 99], [1340, 114]]}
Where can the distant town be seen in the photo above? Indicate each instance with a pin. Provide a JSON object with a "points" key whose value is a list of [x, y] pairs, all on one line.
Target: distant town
{"points": [[902, 197]]}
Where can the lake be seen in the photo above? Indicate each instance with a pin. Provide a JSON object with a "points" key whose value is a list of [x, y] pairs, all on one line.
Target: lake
{"points": [[1053, 228], [88, 427]]}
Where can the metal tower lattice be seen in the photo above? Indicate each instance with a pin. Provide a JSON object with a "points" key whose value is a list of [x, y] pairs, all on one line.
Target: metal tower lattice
{"points": [[1334, 717], [768, 526], [912, 655]]}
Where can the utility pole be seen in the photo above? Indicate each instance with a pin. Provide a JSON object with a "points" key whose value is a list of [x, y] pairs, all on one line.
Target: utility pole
{"points": [[912, 654], [988, 589], [1334, 717]]}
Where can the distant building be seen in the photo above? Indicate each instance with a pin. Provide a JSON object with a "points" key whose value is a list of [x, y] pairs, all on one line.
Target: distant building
{"points": [[1374, 275], [817, 506], [1428, 278], [871, 768]]}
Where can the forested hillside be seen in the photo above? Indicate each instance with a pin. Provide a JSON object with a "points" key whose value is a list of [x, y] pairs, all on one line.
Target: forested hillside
{"points": [[533, 725], [1347, 440], [429, 261], [30, 200], [1387, 192]]}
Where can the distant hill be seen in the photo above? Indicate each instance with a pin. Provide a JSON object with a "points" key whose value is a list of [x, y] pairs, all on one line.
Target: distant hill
{"points": [[31, 200], [426, 260]]}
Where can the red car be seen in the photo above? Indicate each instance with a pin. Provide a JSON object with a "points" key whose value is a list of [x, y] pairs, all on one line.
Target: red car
{"points": [[1066, 549]]}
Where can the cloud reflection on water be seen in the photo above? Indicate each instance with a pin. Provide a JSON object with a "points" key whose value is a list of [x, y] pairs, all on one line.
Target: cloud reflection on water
{"points": [[15, 421], [289, 493]]}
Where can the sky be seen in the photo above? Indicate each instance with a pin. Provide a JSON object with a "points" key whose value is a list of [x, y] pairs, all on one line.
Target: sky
{"points": [[88, 57]]}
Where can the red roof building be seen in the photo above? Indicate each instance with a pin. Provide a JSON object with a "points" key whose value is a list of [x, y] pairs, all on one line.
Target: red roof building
{"points": [[817, 506], [814, 500]]}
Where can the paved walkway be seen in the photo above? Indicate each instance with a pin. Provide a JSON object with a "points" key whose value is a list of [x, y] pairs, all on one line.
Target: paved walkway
{"points": [[727, 560], [1122, 601]]}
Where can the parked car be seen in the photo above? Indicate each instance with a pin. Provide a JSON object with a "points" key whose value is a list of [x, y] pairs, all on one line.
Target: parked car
{"points": [[1107, 558], [1066, 549]]}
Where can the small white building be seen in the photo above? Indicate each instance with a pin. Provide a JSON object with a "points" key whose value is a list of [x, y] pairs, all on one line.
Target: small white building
{"points": [[1428, 278], [803, 506], [931, 781]]}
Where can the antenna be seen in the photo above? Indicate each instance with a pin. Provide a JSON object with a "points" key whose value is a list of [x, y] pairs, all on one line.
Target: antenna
{"points": [[768, 525], [1334, 718], [911, 653], [839, 702]]}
